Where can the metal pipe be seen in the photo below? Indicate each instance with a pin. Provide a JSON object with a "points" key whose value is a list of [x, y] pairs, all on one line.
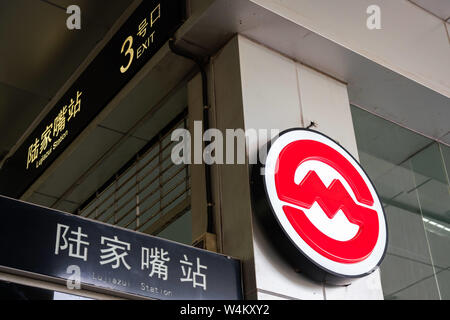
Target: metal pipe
{"points": [[199, 61]]}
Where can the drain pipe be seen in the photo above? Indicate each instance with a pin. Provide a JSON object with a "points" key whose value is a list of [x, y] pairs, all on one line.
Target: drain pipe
{"points": [[200, 61]]}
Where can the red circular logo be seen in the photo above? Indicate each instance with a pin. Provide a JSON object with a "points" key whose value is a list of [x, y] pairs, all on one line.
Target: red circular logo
{"points": [[325, 203]]}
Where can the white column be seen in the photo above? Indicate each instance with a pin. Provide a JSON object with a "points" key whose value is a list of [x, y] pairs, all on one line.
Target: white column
{"points": [[257, 88], [197, 171]]}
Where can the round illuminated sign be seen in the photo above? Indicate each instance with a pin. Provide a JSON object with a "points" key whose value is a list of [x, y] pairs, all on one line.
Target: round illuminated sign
{"points": [[325, 203]]}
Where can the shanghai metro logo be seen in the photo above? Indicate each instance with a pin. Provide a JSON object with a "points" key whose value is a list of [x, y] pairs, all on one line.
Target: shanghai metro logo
{"points": [[325, 203]]}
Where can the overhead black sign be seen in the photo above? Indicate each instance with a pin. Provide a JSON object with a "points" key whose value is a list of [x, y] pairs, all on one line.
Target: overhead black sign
{"points": [[48, 243], [144, 33]]}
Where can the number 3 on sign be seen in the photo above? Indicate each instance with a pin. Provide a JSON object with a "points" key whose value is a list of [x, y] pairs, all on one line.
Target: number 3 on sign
{"points": [[129, 52]]}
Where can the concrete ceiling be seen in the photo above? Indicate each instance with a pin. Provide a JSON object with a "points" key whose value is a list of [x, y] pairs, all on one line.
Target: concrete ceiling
{"points": [[371, 86], [39, 54], [440, 8]]}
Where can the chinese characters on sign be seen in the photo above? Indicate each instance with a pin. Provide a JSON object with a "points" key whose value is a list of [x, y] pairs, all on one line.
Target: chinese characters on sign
{"points": [[189, 276], [62, 243], [155, 260], [54, 132], [111, 254], [146, 38], [114, 252]]}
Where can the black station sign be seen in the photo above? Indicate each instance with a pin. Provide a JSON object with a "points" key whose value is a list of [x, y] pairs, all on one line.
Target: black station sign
{"points": [[141, 36], [45, 243]]}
